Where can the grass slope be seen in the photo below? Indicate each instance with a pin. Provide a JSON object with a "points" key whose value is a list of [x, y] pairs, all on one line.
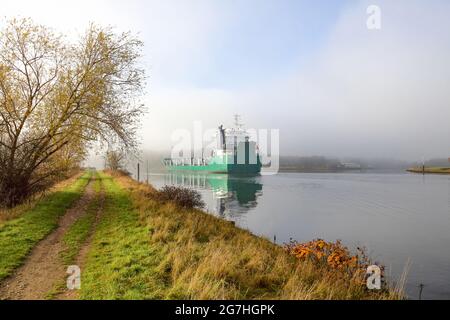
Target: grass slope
{"points": [[145, 250], [121, 263], [20, 235]]}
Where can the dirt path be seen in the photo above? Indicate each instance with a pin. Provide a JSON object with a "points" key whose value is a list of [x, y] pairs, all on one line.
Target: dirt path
{"points": [[82, 254], [43, 269]]}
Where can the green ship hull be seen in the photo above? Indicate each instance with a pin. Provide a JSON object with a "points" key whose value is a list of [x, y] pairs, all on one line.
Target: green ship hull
{"points": [[219, 168], [245, 160]]}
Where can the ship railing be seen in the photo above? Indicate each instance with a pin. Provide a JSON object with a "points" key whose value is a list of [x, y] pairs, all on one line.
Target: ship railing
{"points": [[186, 162]]}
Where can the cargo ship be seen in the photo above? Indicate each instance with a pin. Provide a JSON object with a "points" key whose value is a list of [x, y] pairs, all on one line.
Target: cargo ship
{"points": [[235, 153]]}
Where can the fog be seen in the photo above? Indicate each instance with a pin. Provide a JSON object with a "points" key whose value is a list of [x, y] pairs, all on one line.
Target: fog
{"points": [[365, 93], [309, 68]]}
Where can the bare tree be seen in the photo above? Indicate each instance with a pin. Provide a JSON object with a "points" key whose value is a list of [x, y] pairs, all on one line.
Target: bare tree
{"points": [[56, 98], [115, 160]]}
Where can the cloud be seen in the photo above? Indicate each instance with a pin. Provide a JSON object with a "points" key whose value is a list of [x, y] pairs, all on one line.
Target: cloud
{"points": [[359, 93], [175, 32], [368, 93], [174, 109], [365, 93]]}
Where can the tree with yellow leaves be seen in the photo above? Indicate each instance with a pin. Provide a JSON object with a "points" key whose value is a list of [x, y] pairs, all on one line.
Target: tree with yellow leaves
{"points": [[56, 98]]}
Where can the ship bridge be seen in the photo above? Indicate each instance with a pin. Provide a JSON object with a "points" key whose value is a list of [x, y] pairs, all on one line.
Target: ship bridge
{"points": [[229, 139]]}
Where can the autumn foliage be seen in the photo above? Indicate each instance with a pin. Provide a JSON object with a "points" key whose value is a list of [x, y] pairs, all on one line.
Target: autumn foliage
{"points": [[58, 97], [334, 255]]}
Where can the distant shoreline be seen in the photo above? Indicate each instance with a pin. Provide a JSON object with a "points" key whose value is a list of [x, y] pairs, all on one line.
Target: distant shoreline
{"points": [[319, 170], [433, 170]]}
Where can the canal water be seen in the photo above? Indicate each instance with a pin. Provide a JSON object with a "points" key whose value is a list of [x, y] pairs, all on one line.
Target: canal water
{"points": [[403, 220]]}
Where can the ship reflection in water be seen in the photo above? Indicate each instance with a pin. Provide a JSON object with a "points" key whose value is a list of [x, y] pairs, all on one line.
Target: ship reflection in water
{"points": [[228, 196]]}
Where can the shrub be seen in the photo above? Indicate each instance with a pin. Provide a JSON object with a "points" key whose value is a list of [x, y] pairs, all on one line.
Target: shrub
{"points": [[334, 255], [182, 197]]}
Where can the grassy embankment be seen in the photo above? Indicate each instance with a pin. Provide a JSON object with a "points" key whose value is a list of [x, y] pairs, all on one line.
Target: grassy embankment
{"points": [[143, 249], [19, 235], [431, 170]]}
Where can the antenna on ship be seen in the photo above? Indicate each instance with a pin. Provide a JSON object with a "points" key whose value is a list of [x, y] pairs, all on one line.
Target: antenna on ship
{"points": [[238, 121]]}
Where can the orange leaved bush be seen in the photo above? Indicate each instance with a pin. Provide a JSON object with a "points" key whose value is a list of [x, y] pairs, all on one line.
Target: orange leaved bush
{"points": [[332, 254]]}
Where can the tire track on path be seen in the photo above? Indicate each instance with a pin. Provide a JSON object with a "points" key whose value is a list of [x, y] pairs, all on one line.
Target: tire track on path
{"points": [[43, 268]]}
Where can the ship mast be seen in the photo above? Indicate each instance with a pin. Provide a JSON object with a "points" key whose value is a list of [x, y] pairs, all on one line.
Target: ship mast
{"points": [[222, 138], [238, 122]]}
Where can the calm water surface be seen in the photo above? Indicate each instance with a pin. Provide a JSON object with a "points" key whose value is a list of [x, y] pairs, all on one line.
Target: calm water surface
{"points": [[401, 219]]}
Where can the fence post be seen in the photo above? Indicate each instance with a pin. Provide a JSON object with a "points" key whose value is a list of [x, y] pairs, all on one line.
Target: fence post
{"points": [[138, 172]]}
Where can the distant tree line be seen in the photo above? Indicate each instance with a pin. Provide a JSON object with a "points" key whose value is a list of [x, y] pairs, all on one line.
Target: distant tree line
{"points": [[321, 163], [438, 163], [57, 97], [313, 163]]}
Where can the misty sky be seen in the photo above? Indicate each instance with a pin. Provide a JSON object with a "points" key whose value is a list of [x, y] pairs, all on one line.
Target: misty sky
{"points": [[309, 68]]}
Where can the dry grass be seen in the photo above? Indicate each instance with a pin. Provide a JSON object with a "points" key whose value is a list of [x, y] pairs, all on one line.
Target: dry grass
{"points": [[203, 257]]}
